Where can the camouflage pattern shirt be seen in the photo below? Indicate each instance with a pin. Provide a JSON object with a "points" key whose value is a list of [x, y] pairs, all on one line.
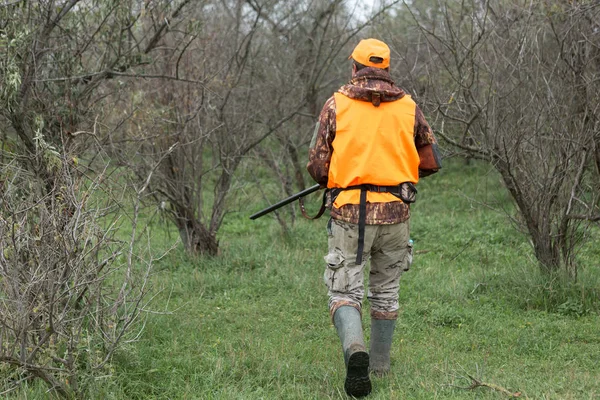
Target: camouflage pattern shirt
{"points": [[363, 84]]}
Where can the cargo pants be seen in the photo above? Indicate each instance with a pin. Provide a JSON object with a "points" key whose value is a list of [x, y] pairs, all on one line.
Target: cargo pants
{"points": [[390, 253]]}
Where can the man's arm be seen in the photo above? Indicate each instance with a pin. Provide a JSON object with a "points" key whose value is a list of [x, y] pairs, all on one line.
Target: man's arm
{"points": [[426, 144], [319, 154]]}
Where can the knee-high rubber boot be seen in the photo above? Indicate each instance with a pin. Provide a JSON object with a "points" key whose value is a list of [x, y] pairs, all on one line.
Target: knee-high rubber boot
{"points": [[382, 331], [349, 328]]}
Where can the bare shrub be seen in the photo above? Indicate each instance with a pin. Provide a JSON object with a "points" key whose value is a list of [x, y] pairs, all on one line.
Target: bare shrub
{"points": [[70, 288], [199, 129], [517, 85], [70, 292]]}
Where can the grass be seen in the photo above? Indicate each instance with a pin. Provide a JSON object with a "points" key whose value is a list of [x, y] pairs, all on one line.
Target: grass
{"points": [[253, 323]]}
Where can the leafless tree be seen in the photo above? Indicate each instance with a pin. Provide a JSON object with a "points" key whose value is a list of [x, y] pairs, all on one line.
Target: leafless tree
{"points": [[518, 85], [248, 72], [203, 126], [70, 291]]}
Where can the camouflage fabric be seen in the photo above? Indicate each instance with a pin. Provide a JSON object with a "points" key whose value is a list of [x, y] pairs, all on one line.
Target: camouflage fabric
{"points": [[362, 86], [388, 248]]}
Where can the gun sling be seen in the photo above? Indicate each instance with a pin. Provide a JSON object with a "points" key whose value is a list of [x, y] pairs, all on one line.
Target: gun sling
{"points": [[321, 210]]}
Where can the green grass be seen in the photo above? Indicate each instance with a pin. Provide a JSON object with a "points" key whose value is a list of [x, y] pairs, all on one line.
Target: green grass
{"points": [[253, 323]]}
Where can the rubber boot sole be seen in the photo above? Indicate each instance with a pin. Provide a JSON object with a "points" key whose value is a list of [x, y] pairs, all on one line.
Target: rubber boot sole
{"points": [[357, 382]]}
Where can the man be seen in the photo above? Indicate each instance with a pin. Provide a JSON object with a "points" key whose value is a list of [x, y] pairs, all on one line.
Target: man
{"points": [[371, 145]]}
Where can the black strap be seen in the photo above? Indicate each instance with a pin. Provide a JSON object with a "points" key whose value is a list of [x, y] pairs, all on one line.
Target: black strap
{"points": [[362, 221], [395, 190]]}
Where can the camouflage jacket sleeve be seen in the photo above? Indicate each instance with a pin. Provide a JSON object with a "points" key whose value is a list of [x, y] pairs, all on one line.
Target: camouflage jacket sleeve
{"points": [[319, 154], [426, 145]]}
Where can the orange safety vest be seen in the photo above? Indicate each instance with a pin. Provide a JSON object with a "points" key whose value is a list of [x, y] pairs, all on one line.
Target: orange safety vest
{"points": [[372, 145]]}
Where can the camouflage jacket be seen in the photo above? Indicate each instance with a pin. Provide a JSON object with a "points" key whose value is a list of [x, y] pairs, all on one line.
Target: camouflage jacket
{"points": [[362, 85]]}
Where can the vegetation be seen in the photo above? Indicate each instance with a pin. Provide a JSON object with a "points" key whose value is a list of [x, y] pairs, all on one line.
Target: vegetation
{"points": [[253, 322], [131, 128], [514, 84]]}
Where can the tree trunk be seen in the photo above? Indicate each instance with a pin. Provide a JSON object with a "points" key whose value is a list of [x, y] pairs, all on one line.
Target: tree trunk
{"points": [[546, 252], [597, 153], [545, 249], [197, 240]]}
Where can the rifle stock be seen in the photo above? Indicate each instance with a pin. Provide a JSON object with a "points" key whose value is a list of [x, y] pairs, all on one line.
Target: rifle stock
{"points": [[288, 200]]}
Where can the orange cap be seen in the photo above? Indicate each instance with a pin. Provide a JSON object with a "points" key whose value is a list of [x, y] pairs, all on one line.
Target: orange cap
{"points": [[372, 53]]}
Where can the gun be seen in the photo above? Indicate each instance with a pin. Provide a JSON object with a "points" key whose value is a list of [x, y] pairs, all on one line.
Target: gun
{"points": [[290, 199]]}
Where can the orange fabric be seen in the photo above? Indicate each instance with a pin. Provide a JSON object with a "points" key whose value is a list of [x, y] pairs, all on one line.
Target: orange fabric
{"points": [[368, 48], [373, 145]]}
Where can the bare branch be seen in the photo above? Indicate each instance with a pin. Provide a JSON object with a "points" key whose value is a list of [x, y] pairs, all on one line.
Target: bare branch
{"points": [[160, 31]]}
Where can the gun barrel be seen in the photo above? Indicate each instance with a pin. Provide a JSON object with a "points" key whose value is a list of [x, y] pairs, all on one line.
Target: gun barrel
{"points": [[283, 202]]}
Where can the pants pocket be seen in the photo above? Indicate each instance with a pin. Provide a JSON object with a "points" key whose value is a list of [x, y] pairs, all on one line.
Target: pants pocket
{"points": [[335, 277], [334, 260]]}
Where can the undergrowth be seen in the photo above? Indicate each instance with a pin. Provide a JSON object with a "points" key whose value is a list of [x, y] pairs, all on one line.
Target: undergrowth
{"points": [[253, 322]]}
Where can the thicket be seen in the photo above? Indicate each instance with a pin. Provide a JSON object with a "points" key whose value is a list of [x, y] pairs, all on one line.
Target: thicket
{"points": [[110, 106], [517, 84]]}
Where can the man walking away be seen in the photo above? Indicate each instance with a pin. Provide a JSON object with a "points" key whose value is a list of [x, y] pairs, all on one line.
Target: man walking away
{"points": [[371, 145]]}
